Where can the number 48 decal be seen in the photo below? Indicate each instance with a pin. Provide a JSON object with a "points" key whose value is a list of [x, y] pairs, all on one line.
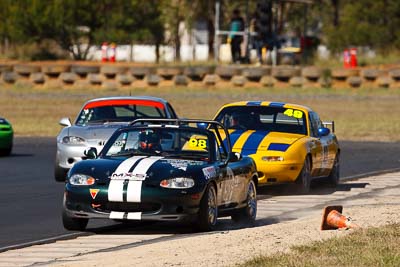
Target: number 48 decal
{"points": [[293, 113]]}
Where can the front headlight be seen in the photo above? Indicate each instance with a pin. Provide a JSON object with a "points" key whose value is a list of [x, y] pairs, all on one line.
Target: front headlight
{"points": [[177, 183], [81, 179], [73, 140], [272, 158]]}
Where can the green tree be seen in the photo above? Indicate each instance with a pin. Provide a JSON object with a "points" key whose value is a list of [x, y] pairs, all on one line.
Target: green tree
{"points": [[366, 23], [77, 25]]}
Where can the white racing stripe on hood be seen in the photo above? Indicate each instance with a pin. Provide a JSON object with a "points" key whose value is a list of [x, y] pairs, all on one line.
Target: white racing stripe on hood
{"points": [[134, 191], [127, 164], [116, 190], [116, 186]]}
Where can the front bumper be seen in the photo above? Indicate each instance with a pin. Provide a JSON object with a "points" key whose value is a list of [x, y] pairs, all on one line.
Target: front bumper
{"points": [[68, 155], [156, 204], [275, 173]]}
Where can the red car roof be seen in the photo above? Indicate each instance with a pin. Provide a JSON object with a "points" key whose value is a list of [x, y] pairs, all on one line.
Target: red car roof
{"points": [[123, 102]]}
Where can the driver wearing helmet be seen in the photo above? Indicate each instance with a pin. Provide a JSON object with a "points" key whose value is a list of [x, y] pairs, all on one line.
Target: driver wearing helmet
{"points": [[149, 142]]}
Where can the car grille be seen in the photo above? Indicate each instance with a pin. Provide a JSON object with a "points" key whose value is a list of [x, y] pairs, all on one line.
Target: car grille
{"points": [[131, 207]]}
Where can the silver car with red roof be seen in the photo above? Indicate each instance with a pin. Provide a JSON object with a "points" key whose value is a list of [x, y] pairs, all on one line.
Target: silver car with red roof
{"points": [[97, 121]]}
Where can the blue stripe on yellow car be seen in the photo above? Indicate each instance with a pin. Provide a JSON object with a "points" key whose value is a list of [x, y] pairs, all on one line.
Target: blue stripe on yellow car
{"points": [[239, 139], [276, 104], [234, 136], [254, 103], [278, 147], [253, 142]]}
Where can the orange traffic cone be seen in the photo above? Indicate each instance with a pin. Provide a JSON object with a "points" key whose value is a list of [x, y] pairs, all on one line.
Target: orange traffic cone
{"points": [[333, 219]]}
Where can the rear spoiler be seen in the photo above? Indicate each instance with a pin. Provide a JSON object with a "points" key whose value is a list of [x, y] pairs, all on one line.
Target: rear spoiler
{"points": [[329, 123]]}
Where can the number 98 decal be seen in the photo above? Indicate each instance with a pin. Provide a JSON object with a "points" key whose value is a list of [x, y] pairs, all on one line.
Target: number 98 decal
{"points": [[201, 143]]}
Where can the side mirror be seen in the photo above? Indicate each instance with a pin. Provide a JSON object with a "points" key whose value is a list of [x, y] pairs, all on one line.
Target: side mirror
{"points": [[323, 131], [234, 156], [65, 122], [91, 153]]}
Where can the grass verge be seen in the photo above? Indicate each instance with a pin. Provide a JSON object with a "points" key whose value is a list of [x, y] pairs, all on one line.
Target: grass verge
{"points": [[360, 114], [370, 247]]}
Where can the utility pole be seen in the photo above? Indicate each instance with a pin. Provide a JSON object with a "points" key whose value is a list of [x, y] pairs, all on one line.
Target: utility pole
{"points": [[216, 38]]}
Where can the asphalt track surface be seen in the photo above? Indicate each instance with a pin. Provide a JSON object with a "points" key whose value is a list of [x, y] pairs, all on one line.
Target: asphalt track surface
{"points": [[31, 200]]}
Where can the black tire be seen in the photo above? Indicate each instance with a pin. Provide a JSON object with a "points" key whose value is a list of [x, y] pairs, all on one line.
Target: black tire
{"points": [[6, 151], [73, 224], [303, 181], [208, 213], [334, 176], [247, 214], [60, 174]]}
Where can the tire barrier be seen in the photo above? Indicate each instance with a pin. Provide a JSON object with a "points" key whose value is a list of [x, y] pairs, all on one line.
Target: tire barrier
{"points": [[370, 74], [168, 73], [284, 73], [83, 71], [383, 82], [311, 74], [354, 81], [395, 74], [95, 78], [239, 80], [25, 70], [296, 81], [68, 78], [9, 77], [105, 75], [38, 78], [111, 71], [140, 72], [197, 73], [124, 79], [53, 71], [210, 79], [5, 68], [343, 74], [227, 72], [153, 79], [267, 81], [181, 80], [255, 74]]}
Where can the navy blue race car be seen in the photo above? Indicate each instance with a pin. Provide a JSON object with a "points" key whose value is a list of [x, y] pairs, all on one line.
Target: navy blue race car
{"points": [[163, 170]]}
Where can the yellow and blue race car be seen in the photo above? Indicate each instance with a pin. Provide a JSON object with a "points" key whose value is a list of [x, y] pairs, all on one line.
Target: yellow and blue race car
{"points": [[289, 143]]}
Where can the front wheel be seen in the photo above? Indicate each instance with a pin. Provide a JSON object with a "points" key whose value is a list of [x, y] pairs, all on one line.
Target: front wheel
{"points": [[60, 174], [249, 212], [208, 213], [71, 223], [6, 151], [303, 181]]}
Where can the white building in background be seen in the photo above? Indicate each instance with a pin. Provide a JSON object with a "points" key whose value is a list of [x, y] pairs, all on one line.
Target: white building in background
{"points": [[194, 47]]}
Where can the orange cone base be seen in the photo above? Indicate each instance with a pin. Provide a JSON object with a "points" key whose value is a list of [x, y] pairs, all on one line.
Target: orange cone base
{"points": [[327, 210]]}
